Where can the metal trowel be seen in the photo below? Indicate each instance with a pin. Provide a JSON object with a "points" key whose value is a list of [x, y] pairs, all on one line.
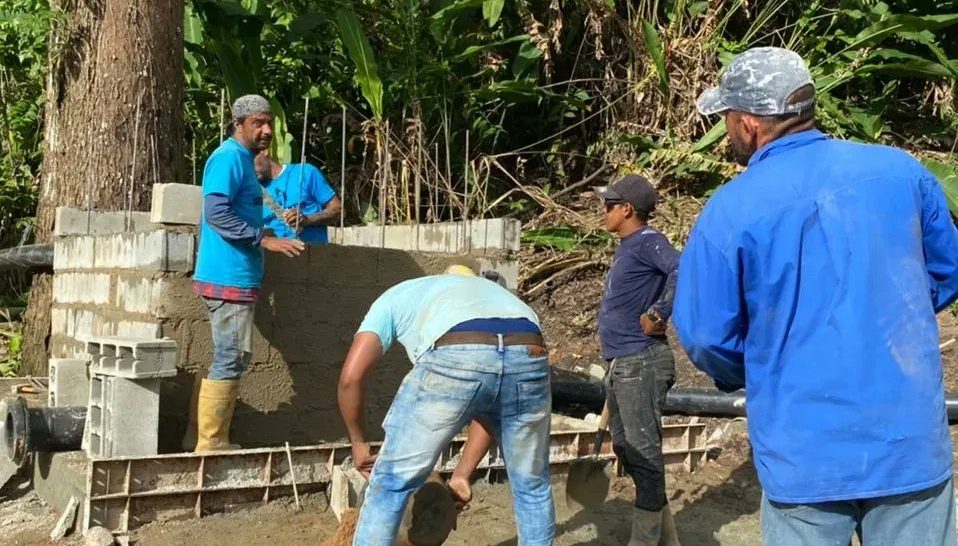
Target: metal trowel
{"points": [[587, 484]]}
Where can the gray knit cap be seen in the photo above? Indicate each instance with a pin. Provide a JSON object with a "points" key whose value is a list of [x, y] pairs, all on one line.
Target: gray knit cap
{"points": [[250, 104]]}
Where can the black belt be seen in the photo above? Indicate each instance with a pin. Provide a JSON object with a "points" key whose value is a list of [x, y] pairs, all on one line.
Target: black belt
{"points": [[488, 338]]}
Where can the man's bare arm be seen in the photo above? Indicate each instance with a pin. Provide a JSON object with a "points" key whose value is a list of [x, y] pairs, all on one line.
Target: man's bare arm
{"points": [[330, 214], [362, 357]]}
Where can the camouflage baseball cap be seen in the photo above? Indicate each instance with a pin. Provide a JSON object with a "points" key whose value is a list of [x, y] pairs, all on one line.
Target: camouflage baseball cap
{"points": [[759, 81]]}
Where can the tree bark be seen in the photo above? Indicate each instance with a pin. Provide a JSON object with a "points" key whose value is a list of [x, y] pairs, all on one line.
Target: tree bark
{"points": [[113, 122]]}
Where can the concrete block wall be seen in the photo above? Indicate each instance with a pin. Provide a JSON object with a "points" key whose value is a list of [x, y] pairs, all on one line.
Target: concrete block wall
{"points": [[113, 283], [137, 284]]}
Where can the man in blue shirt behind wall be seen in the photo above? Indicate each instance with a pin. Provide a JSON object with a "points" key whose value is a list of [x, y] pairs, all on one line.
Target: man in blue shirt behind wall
{"points": [[812, 280], [229, 267], [298, 197]]}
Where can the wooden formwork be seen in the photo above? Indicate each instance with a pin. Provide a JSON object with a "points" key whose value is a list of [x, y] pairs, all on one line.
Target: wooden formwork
{"points": [[127, 492]]}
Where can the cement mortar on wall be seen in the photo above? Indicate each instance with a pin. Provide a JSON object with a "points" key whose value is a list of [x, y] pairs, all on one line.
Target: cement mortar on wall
{"points": [[309, 310]]}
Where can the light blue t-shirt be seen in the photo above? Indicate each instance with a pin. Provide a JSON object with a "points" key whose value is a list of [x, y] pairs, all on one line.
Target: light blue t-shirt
{"points": [[417, 312], [285, 189], [229, 171]]}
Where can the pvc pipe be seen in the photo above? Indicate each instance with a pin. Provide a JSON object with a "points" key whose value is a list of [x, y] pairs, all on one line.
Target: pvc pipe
{"points": [[27, 257]]}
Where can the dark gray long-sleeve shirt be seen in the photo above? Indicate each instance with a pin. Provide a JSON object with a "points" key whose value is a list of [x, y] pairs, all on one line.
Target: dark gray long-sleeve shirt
{"points": [[224, 220], [643, 276]]}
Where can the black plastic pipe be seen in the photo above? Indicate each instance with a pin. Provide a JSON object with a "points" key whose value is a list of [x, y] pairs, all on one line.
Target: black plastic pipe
{"points": [[25, 429], [27, 257], [581, 397], [577, 398]]}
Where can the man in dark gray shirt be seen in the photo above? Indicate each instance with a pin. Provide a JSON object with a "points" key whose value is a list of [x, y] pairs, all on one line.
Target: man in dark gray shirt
{"points": [[635, 308]]}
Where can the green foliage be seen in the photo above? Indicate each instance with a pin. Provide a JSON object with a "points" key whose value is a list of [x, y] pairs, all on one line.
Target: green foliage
{"points": [[24, 26], [11, 343], [367, 74], [565, 237], [948, 176]]}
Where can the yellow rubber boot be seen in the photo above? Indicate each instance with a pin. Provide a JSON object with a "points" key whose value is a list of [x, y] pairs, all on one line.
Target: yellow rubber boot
{"points": [[217, 401], [189, 438]]}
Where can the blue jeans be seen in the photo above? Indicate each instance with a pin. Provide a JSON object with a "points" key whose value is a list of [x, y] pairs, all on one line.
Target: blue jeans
{"points": [[232, 325], [925, 517], [445, 390]]}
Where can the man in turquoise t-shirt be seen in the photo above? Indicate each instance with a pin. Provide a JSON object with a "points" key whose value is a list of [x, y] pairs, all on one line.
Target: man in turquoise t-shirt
{"points": [[229, 267], [478, 353], [299, 190]]}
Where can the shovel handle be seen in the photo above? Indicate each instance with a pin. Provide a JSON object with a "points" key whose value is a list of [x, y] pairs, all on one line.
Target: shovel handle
{"points": [[600, 433]]}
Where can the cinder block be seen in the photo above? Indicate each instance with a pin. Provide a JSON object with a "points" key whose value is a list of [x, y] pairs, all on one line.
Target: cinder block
{"points": [[81, 288], [509, 269], [106, 223], [179, 252], [133, 294], [122, 417], [176, 204], [58, 321], [486, 234], [74, 221], [158, 250], [73, 253], [436, 238], [479, 235], [400, 237], [68, 382], [346, 489], [62, 346], [132, 358]]}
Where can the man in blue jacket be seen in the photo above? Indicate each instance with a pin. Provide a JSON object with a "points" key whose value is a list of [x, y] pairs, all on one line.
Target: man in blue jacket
{"points": [[812, 280]]}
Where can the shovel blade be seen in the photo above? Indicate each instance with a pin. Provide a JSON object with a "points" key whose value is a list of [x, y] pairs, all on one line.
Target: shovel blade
{"points": [[587, 484]]}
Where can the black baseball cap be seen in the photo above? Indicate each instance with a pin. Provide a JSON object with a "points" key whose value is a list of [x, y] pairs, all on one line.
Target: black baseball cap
{"points": [[632, 189]]}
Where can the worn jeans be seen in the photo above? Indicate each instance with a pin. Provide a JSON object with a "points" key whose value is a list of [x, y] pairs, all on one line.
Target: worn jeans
{"points": [[636, 386], [445, 390], [232, 325], [925, 517]]}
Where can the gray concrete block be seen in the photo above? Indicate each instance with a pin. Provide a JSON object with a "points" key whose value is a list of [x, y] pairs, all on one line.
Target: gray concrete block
{"points": [[75, 221], [158, 250], [479, 235], [133, 294], [81, 288], [122, 417], [345, 490], [176, 204], [509, 269], [68, 382], [73, 253], [132, 358]]}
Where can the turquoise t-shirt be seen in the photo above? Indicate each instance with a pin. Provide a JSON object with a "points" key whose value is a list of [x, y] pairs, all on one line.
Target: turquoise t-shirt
{"points": [[229, 171], [285, 189], [417, 312]]}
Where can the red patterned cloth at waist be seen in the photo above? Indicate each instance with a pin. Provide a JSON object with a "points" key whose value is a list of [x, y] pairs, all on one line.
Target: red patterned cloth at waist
{"points": [[225, 293]]}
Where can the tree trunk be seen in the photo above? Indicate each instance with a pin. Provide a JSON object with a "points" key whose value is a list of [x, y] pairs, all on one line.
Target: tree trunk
{"points": [[113, 122]]}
